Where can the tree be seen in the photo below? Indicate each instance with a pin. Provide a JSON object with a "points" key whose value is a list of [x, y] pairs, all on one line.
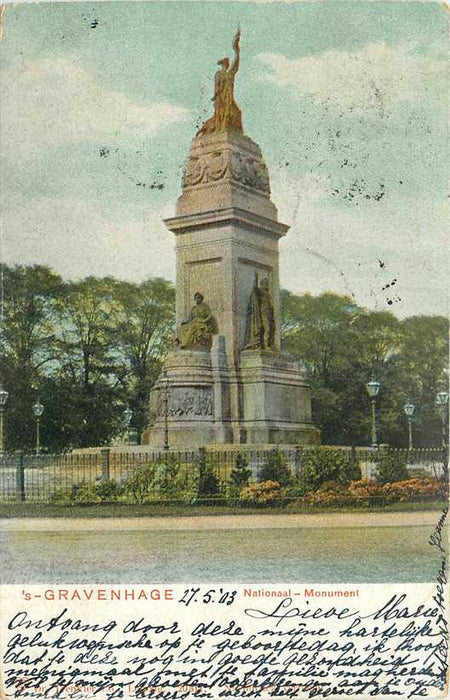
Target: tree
{"points": [[425, 352], [144, 331], [344, 345], [27, 343], [275, 469], [240, 474], [89, 358]]}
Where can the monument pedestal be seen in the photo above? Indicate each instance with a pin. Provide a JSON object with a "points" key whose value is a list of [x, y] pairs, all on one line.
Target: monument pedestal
{"points": [[276, 400], [190, 402]]}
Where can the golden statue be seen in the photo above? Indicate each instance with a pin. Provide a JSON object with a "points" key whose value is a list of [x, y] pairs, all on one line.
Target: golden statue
{"points": [[227, 114], [200, 326]]}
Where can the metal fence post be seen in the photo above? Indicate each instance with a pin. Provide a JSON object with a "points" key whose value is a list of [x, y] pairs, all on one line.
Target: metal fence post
{"points": [[297, 461], [105, 463], [20, 476]]}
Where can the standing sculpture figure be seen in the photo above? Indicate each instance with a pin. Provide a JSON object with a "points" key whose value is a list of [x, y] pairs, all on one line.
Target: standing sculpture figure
{"points": [[260, 330], [226, 112], [267, 315]]}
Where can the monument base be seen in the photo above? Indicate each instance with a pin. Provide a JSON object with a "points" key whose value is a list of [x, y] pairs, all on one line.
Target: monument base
{"points": [[189, 401], [192, 405], [276, 400]]}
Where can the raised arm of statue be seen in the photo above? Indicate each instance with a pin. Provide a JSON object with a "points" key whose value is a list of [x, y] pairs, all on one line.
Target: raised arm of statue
{"points": [[227, 114], [235, 65]]}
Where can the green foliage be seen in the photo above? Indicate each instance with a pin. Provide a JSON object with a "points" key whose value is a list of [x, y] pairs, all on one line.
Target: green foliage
{"points": [[87, 493], [275, 469], [343, 345], [240, 474], [141, 482], [322, 464], [89, 347], [108, 490], [144, 331], [208, 483], [166, 479], [391, 467]]}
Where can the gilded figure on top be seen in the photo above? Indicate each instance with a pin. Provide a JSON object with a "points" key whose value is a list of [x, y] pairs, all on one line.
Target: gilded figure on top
{"points": [[227, 114]]}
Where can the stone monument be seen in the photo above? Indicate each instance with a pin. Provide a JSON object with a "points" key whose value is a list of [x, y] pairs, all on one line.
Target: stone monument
{"points": [[226, 380]]}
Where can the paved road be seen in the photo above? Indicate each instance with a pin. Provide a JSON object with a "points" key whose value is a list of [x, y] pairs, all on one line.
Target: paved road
{"points": [[222, 522]]}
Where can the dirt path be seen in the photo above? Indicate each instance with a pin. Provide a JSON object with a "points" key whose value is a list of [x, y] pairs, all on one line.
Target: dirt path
{"points": [[222, 522]]}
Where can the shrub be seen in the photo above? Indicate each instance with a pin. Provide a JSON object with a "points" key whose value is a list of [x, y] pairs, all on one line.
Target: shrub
{"points": [[108, 490], [275, 469], [415, 489], [322, 464], [368, 493], [82, 493], [208, 483], [391, 467], [166, 479], [329, 494], [140, 482], [188, 481], [262, 493], [240, 474], [419, 471]]}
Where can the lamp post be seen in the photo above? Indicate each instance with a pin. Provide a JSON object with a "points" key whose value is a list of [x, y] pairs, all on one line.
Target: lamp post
{"points": [[166, 411], [127, 416], [409, 409], [373, 389], [441, 403], [3, 399], [38, 410]]}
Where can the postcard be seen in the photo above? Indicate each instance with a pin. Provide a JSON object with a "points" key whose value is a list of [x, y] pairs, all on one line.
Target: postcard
{"points": [[223, 350]]}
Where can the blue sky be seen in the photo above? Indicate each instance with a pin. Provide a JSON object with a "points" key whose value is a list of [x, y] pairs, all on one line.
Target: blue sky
{"points": [[346, 99]]}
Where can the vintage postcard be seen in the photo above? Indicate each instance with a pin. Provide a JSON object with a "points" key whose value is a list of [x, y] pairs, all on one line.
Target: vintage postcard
{"points": [[223, 350]]}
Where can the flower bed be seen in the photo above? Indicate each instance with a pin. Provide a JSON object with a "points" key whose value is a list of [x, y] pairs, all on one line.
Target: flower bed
{"points": [[367, 493]]}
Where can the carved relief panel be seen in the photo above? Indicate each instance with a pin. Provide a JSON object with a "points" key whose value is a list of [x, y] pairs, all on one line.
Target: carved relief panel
{"points": [[185, 402], [227, 164]]}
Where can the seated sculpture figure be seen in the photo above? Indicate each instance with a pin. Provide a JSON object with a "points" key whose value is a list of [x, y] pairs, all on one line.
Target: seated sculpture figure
{"points": [[200, 326]]}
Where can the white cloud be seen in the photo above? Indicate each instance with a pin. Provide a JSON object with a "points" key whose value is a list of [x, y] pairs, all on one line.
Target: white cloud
{"points": [[76, 239], [52, 101], [377, 76]]}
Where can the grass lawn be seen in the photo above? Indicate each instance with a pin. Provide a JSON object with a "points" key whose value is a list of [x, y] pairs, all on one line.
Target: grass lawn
{"points": [[128, 510]]}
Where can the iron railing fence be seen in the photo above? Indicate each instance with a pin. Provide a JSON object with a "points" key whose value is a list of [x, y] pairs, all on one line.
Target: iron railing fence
{"points": [[52, 477]]}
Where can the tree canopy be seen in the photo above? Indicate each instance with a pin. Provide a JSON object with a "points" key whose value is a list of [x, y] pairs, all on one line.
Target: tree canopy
{"points": [[344, 346], [89, 348]]}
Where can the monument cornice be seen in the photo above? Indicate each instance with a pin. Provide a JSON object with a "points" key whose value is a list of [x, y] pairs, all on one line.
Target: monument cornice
{"points": [[223, 217]]}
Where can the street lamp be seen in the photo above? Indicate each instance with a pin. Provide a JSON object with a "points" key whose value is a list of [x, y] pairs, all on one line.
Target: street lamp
{"points": [[166, 410], [373, 389], [127, 416], [3, 399], [409, 409], [441, 403], [38, 410]]}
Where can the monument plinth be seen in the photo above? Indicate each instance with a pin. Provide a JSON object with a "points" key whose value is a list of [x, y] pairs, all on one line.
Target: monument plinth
{"points": [[227, 381]]}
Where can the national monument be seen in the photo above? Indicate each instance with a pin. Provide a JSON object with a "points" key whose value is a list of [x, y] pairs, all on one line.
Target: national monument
{"points": [[226, 380]]}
